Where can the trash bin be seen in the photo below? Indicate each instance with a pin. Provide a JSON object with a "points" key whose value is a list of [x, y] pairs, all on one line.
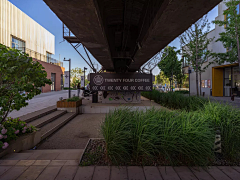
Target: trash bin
{"points": [[95, 97]]}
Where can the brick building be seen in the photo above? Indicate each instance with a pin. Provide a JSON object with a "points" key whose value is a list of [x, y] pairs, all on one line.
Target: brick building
{"points": [[18, 30]]}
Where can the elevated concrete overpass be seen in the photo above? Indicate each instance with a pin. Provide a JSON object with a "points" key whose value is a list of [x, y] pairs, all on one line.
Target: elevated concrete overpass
{"points": [[124, 34]]}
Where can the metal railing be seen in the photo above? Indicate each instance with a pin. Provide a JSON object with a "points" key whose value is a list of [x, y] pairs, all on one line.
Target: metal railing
{"points": [[40, 56]]}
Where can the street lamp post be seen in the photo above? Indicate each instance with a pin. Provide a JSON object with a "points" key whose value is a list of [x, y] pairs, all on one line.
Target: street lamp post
{"points": [[69, 90], [84, 74], [189, 72]]}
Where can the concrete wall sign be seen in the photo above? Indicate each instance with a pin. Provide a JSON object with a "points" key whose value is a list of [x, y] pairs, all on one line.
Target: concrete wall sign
{"points": [[120, 82]]}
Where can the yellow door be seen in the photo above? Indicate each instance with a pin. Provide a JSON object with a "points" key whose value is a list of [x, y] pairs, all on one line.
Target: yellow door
{"points": [[217, 81]]}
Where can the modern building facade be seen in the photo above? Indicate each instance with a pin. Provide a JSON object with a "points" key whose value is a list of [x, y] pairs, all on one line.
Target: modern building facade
{"points": [[18, 30], [217, 80]]}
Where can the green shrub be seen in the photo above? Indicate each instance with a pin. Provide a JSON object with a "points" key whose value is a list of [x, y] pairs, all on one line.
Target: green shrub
{"points": [[179, 137], [73, 99], [175, 100], [11, 129], [182, 92], [226, 119], [65, 88]]}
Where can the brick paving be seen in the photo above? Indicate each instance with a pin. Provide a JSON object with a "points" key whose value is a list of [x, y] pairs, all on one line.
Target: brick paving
{"points": [[48, 171]]}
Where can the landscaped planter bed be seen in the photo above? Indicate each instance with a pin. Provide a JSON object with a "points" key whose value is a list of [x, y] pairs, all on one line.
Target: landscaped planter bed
{"points": [[23, 142], [69, 106], [95, 154], [65, 104], [160, 137]]}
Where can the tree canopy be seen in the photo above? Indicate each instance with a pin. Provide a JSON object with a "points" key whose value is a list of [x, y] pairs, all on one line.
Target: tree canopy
{"points": [[230, 37], [170, 65], [18, 73], [194, 45]]}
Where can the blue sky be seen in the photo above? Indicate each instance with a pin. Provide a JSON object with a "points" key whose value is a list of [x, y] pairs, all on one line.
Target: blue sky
{"points": [[43, 15]]}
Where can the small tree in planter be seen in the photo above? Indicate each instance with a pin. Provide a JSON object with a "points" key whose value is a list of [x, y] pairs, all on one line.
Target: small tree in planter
{"points": [[18, 73]]}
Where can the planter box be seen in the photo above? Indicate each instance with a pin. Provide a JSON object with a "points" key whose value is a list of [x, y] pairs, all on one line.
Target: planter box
{"points": [[69, 106], [22, 143], [65, 104]]}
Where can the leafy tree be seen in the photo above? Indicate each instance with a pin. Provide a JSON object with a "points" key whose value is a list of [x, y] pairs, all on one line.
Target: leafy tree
{"points": [[161, 79], [181, 78], [76, 76], [230, 37], [76, 73], [194, 43], [170, 65], [18, 72], [75, 82]]}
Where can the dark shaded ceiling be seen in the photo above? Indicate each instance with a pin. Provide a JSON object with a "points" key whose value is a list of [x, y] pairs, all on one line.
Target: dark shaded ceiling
{"points": [[123, 34]]}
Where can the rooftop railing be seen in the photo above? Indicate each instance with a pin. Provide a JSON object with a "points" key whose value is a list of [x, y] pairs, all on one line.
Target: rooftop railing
{"points": [[40, 56]]}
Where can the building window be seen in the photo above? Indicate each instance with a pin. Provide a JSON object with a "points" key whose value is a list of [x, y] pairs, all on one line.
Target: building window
{"points": [[49, 57], [18, 44]]}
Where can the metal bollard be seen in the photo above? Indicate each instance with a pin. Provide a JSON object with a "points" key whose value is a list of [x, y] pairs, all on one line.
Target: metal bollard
{"points": [[217, 143]]}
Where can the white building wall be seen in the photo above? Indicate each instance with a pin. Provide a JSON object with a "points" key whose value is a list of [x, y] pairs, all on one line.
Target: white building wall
{"points": [[13, 22]]}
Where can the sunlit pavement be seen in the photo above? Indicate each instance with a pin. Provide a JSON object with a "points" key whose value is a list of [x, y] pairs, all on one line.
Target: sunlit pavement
{"points": [[41, 101]]}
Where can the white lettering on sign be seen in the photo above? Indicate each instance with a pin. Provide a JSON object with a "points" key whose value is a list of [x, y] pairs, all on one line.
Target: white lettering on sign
{"points": [[140, 87], [95, 88], [142, 80], [102, 88], [148, 88], [110, 88], [128, 80], [113, 80], [133, 88], [125, 88], [118, 88]]}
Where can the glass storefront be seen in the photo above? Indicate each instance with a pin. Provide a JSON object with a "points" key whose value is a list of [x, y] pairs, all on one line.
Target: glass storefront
{"points": [[231, 84], [236, 81]]}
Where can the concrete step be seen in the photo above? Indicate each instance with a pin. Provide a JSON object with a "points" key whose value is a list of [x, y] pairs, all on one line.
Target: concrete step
{"points": [[38, 114], [47, 119], [50, 128]]}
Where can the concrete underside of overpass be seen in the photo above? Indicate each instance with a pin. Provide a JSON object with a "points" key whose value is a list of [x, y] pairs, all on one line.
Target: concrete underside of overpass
{"points": [[124, 34]]}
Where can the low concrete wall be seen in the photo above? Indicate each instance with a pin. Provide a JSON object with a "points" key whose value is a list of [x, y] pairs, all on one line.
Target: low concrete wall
{"points": [[22, 143]]}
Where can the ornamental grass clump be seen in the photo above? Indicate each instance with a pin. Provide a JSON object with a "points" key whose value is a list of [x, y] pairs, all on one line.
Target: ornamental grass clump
{"points": [[175, 100], [180, 138], [225, 118]]}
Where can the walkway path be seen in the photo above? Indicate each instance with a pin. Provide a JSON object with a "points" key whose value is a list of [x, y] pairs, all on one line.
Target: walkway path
{"points": [[40, 102], [76, 133], [63, 169]]}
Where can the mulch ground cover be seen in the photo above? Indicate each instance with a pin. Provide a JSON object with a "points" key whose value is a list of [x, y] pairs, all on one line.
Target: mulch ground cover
{"points": [[95, 154]]}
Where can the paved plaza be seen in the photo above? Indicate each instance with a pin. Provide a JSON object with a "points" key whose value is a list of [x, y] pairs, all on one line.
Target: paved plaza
{"points": [[40, 102], [58, 156]]}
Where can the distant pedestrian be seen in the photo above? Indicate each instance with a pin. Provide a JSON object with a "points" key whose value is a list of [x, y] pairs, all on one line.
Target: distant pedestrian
{"points": [[78, 88]]}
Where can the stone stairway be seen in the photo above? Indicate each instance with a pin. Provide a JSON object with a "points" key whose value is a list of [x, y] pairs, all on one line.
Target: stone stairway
{"points": [[48, 120]]}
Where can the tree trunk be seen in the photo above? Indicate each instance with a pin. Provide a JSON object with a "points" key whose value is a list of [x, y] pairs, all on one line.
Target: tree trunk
{"points": [[238, 48], [200, 76], [196, 29]]}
